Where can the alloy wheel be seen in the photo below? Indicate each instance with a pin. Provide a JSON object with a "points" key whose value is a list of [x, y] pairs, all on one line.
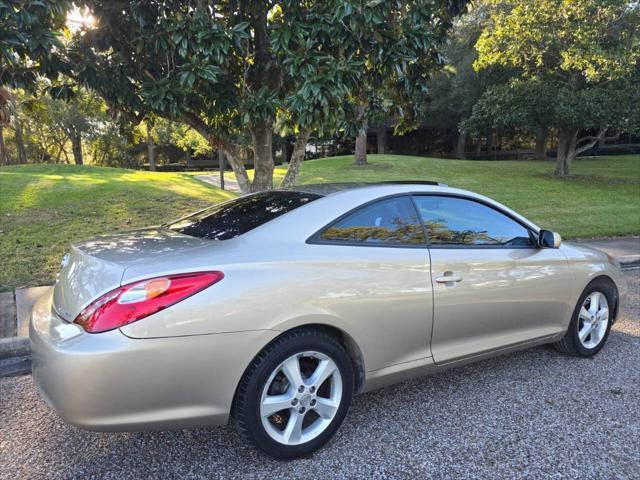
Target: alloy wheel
{"points": [[593, 320], [301, 398]]}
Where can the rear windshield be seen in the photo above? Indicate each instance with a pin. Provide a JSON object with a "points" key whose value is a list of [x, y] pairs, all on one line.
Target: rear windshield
{"points": [[238, 216]]}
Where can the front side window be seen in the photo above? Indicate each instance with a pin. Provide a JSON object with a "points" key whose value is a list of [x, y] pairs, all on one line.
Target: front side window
{"points": [[458, 221], [393, 221], [230, 219]]}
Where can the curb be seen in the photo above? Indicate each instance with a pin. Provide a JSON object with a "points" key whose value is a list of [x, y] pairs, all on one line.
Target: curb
{"points": [[15, 356], [14, 347], [629, 262]]}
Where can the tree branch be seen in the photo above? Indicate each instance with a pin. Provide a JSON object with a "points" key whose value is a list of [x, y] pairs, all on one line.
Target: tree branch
{"points": [[231, 151], [592, 140], [296, 159]]}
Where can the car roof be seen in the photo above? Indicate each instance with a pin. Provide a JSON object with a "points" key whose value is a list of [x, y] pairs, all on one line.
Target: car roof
{"points": [[325, 189], [340, 198]]}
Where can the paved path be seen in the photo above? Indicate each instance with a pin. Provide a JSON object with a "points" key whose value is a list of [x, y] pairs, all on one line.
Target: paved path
{"points": [[532, 414], [230, 185], [626, 250]]}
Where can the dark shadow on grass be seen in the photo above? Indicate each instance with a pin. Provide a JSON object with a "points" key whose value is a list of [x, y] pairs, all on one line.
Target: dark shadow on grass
{"points": [[591, 179]]}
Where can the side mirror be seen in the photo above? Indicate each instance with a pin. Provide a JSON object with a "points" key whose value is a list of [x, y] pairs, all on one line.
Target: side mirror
{"points": [[549, 239]]}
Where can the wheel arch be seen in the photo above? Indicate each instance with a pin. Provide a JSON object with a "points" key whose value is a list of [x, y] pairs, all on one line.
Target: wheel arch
{"points": [[603, 277], [347, 341]]}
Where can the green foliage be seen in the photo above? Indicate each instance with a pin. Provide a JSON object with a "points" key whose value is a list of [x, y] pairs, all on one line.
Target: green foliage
{"points": [[179, 134], [399, 49], [455, 89], [50, 123], [577, 40], [224, 67], [577, 65], [29, 40]]}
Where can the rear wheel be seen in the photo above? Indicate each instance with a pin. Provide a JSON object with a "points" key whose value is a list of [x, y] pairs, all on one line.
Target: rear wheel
{"points": [[295, 393], [591, 321]]}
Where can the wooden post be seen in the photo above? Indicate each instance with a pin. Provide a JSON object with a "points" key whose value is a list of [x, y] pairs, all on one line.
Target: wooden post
{"points": [[221, 166]]}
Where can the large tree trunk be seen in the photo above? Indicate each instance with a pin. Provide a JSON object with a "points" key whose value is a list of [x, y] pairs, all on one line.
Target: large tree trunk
{"points": [[288, 149], [541, 143], [381, 139], [297, 157], [151, 148], [460, 146], [262, 135], [5, 159], [17, 129], [570, 146], [361, 145], [491, 144], [233, 155], [22, 152], [565, 136], [76, 146]]}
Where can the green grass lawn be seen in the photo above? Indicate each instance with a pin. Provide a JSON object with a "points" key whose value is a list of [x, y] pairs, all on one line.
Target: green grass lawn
{"points": [[43, 208], [602, 198]]}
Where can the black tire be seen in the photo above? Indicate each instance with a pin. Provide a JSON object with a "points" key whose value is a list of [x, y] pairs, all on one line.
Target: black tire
{"points": [[248, 397], [570, 343]]}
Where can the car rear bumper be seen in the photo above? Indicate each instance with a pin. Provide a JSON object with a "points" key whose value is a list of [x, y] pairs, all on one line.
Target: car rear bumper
{"points": [[110, 382]]}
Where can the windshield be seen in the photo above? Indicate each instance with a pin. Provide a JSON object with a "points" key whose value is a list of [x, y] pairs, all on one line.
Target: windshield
{"points": [[230, 219]]}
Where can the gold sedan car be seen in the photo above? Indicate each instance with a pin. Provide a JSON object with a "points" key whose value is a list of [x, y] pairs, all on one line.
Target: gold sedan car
{"points": [[275, 308]]}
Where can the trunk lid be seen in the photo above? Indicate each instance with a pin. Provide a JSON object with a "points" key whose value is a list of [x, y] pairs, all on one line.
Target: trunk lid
{"points": [[94, 267]]}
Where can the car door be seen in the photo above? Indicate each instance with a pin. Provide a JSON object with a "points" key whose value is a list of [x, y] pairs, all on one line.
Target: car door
{"points": [[493, 287], [380, 280]]}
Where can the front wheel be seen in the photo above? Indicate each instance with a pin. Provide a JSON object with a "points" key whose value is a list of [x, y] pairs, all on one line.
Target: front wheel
{"points": [[295, 394], [591, 321]]}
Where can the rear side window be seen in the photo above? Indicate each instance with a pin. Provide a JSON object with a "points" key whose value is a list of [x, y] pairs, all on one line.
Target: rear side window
{"points": [[393, 221], [458, 221], [230, 219]]}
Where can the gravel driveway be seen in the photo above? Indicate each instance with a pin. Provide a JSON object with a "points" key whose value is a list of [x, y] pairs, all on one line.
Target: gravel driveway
{"points": [[533, 414]]}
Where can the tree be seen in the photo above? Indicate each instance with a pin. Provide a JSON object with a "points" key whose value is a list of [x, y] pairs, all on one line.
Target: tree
{"points": [[5, 116], [227, 68], [29, 40], [577, 66], [151, 148], [455, 89], [398, 48], [29, 48], [77, 117], [45, 127]]}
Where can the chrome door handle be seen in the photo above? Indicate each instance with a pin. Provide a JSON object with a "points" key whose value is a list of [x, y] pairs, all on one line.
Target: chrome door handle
{"points": [[449, 277]]}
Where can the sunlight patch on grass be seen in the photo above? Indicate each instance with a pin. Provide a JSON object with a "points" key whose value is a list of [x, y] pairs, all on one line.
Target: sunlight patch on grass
{"points": [[44, 208]]}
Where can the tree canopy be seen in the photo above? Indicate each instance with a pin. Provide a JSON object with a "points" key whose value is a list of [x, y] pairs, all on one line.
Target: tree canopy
{"points": [[30, 43], [577, 66], [226, 68]]}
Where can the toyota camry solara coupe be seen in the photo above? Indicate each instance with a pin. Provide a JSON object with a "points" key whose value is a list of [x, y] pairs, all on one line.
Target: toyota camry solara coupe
{"points": [[275, 308]]}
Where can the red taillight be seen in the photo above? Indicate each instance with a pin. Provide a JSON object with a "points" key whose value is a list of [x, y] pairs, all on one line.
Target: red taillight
{"points": [[140, 299]]}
